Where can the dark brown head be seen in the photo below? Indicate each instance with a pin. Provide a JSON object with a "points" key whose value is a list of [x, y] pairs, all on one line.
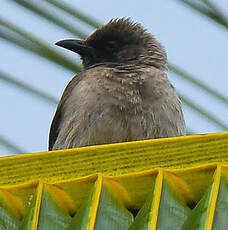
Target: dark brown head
{"points": [[119, 42]]}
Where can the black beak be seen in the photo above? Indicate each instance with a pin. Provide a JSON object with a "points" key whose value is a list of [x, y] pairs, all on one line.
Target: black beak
{"points": [[77, 46]]}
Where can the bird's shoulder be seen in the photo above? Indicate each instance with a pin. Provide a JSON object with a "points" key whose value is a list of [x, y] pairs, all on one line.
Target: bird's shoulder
{"points": [[87, 80], [156, 85], [54, 129]]}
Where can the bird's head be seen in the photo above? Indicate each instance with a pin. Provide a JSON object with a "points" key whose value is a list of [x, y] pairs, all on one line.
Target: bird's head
{"points": [[119, 42]]}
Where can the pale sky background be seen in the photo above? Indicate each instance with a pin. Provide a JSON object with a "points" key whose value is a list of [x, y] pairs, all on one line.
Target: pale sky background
{"points": [[192, 42]]}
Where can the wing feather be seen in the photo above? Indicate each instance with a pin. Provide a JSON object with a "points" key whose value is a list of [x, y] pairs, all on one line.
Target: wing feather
{"points": [[54, 129]]}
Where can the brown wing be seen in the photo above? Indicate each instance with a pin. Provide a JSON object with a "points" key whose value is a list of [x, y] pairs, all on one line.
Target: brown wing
{"points": [[54, 129]]}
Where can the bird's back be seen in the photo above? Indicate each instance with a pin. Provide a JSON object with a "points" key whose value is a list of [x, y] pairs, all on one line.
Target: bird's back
{"points": [[109, 105]]}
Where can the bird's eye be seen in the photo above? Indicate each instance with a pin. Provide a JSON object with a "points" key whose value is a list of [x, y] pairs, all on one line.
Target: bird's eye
{"points": [[111, 45]]}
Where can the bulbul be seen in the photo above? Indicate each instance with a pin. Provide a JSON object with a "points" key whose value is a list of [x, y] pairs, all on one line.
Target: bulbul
{"points": [[122, 94]]}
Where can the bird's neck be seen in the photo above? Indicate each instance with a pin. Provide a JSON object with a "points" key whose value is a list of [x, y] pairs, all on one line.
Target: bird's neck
{"points": [[120, 66]]}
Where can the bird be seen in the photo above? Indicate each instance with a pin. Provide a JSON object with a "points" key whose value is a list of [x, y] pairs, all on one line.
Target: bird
{"points": [[122, 93]]}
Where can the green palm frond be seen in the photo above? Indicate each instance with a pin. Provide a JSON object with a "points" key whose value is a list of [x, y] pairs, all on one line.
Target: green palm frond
{"points": [[197, 83], [209, 10], [197, 108], [36, 46], [10, 145], [78, 15], [46, 14], [29, 89]]}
